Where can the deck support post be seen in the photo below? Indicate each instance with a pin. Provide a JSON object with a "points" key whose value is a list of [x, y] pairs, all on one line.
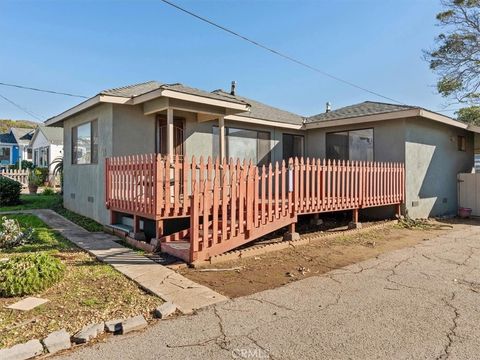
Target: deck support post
{"points": [[170, 132], [221, 137], [137, 233], [354, 224], [399, 210], [291, 235], [158, 234]]}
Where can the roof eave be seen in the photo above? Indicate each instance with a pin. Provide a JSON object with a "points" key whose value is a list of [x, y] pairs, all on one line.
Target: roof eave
{"points": [[258, 121]]}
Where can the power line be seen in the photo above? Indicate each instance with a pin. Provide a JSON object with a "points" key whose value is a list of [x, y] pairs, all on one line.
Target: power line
{"points": [[20, 107], [285, 56], [43, 90]]}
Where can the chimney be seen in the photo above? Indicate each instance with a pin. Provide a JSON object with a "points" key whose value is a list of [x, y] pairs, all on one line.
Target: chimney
{"points": [[232, 89], [328, 107]]}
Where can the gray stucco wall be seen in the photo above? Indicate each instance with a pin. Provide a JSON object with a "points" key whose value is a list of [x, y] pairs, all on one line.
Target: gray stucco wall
{"points": [[84, 191], [432, 164]]}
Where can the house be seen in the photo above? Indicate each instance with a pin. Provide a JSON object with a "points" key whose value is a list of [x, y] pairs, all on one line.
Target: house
{"points": [[14, 146], [384, 155], [46, 145]]}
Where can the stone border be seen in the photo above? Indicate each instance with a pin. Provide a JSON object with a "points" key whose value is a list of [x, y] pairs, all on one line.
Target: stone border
{"points": [[281, 245]]}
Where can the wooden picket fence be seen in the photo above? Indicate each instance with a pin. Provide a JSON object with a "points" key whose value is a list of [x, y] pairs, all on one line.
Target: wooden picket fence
{"points": [[18, 175]]}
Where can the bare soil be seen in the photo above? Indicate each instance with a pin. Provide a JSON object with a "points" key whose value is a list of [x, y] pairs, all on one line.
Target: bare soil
{"points": [[278, 268]]}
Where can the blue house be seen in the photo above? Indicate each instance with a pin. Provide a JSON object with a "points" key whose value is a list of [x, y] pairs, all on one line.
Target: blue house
{"points": [[14, 146]]}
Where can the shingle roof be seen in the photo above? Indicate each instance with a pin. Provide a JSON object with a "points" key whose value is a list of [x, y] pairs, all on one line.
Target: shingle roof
{"points": [[22, 135], [362, 109], [54, 135], [146, 87], [7, 138], [259, 110]]}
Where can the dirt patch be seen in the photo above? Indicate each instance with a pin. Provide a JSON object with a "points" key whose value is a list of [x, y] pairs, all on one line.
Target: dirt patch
{"points": [[278, 268]]}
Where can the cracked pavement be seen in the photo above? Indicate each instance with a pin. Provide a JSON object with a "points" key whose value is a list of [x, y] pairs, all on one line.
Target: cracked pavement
{"points": [[420, 302]]}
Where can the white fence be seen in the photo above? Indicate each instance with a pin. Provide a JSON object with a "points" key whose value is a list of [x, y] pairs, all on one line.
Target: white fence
{"points": [[18, 175], [469, 192]]}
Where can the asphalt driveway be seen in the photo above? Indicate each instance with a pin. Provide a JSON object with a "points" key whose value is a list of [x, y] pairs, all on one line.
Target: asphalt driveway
{"points": [[421, 302]]}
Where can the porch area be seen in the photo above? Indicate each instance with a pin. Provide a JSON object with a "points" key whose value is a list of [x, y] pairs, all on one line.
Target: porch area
{"points": [[228, 203]]}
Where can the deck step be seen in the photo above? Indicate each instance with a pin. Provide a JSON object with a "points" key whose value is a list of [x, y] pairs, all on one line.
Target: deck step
{"points": [[177, 248]]}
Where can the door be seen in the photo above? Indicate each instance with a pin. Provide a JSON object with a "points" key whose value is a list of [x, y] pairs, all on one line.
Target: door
{"points": [[469, 192], [161, 135]]}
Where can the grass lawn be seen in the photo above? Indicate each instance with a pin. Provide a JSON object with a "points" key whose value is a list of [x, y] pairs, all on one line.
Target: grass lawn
{"points": [[89, 291], [53, 202]]}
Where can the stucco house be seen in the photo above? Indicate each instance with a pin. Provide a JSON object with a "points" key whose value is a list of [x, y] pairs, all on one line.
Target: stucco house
{"points": [[46, 145], [173, 119]]}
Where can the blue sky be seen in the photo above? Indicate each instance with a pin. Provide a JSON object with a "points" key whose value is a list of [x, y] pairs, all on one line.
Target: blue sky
{"points": [[86, 46]]}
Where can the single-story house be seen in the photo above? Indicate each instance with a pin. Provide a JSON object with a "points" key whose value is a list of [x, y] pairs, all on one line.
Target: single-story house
{"points": [[14, 146], [173, 119], [47, 145]]}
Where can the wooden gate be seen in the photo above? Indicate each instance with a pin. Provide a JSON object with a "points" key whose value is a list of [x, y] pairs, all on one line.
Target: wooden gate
{"points": [[469, 192]]}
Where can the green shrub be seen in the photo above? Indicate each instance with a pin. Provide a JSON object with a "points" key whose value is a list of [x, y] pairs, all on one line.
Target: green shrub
{"points": [[29, 274], [48, 191], [9, 191]]}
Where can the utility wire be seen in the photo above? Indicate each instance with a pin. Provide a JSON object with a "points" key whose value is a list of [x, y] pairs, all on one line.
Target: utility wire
{"points": [[283, 55], [43, 90], [20, 107]]}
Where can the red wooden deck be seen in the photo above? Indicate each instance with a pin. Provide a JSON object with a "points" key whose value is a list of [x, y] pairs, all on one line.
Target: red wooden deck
{"points": [[231, 203]]}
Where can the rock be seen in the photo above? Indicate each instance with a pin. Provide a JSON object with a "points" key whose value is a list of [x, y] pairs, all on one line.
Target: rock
{"points": [[133, 324], [57, 340], [291, 236], [88, 333], [24, 351], [114, 326], [165, 310], [354, 225]]}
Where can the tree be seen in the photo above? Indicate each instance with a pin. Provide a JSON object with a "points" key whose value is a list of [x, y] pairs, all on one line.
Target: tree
{"points": [[456, 57], [470, 115]]}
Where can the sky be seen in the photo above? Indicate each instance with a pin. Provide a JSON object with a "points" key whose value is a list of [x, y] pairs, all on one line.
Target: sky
{"points": [[84, 47]]}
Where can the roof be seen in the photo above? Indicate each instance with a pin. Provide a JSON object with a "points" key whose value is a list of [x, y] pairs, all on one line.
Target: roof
{"points": [[22, 135], [149, 86], [7, 138], [54, 135], [363, 109], [259, 110]]}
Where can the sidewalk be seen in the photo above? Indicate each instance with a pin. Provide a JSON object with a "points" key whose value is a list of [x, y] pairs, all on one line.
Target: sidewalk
{"points": [[151, 276]]}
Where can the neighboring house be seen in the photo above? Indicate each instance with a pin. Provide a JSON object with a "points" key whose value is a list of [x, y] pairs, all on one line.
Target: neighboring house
{"points": [[22, 137], [178, 120], [14, 146], [47, 145]]}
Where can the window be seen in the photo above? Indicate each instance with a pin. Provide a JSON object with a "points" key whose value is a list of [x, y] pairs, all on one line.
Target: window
{"points": [[461, 143], [293, 146], [5, 154], [350, 145], [85, 143], [29, 154], [244, 144], [43, 156]]}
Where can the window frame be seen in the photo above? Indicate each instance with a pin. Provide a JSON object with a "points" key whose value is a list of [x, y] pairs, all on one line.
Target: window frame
{"points": [[293, 136], [258, 162], [93, 147], [348, 131], [462, 143], [10, 152]]}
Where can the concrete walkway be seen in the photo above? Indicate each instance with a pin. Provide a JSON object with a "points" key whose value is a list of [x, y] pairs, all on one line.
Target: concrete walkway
{"points": [[416, 303], [153, 277]]}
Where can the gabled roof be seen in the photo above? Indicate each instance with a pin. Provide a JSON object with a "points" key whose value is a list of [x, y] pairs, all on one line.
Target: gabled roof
{"points": [[149, 86], [7, 138], [262, 111], [54, 135], [363, 109], [22, 135]]}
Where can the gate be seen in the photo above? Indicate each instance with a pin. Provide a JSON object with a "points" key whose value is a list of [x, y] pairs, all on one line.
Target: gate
{"points": [[469, 192]]}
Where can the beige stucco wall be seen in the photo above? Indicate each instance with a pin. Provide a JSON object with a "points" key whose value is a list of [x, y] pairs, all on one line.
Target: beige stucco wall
{"points": [[84, 190], [432, 164]]}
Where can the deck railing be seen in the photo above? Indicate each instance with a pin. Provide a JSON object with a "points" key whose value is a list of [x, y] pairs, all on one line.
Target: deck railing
{"points": [[16, 174], [160, 187]]}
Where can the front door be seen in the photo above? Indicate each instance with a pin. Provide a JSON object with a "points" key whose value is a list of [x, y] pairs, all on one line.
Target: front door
{"points": [[161, 135]]}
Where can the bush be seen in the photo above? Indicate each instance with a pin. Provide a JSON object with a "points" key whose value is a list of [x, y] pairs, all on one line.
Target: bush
{"points": [[11, 234], [48, 191], [29, 274], [9, 191]]}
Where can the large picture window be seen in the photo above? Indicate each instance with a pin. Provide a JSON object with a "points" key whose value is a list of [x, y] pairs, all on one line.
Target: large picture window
{"points": [[350, 145], [85, 143], [244, 144]]}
